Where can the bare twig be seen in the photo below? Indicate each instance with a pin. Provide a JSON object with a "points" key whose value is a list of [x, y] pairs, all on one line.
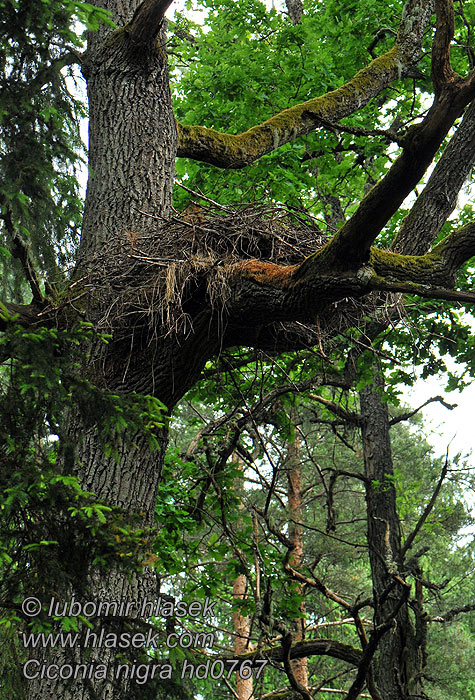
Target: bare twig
{"points": [[410, 414], [410, 540]]}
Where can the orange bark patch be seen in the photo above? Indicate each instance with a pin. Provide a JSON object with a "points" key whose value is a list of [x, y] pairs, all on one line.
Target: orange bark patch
{"points": [[132, 238], [268, 273]]}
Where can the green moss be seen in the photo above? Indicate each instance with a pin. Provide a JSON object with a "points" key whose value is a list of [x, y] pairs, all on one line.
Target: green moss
{"points": [[118, 37], [405, 267], [236, 150]]}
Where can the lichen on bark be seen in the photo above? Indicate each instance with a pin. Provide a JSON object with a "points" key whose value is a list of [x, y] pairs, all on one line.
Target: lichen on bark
{"points": [[238, 150]]}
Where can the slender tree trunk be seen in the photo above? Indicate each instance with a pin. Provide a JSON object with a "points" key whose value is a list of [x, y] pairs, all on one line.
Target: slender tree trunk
{"points": [[395, 661], [294, 495], [242, 626], [244, 686]]}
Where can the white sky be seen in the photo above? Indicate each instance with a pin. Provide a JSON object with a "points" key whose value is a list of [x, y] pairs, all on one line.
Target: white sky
{"points": [[456, 427], [449, 430]]}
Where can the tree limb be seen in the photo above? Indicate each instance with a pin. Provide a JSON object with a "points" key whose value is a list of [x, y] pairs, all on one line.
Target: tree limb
{"points": [[254, 411], [23, 314], [315, 583], [427, 510], [147, 21], [410, 414], [238, 150], [337, 410], [365, 663], [312, 647], [442, 74], [261, 290], [452, 613], [21, 253], [294, 683], [355, 237], [438, 199]]}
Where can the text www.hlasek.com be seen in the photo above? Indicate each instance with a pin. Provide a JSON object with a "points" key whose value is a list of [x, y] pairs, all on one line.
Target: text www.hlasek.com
{"points": [[92, 638]]}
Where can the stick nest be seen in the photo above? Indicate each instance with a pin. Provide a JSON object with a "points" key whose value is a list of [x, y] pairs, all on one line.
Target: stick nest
{"points": [[164, 276]]}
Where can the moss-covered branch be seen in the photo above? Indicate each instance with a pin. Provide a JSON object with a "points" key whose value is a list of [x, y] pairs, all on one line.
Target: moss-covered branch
{"points": [[263, 291], [438, 267], [352, 243], [238, 150]]}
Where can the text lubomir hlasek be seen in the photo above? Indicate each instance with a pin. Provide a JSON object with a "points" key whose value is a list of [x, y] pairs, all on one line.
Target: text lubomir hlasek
{"points": [[146, 608]]}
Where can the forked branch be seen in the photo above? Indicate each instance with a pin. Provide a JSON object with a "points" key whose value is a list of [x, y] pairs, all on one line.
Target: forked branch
{"points": [[442, 73], [302, 292]]}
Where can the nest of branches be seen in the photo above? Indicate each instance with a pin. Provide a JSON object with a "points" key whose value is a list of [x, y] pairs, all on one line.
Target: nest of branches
{"points": [[161, 277]]}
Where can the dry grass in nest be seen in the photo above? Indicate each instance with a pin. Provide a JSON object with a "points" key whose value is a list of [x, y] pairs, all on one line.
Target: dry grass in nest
{"points": [[156, 283], [160, 277]]}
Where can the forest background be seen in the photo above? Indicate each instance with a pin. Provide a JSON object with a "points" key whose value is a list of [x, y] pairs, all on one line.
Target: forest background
{"points": [[350, 573]]}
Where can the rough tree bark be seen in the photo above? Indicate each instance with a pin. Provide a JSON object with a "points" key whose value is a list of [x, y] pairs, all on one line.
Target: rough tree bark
{"points": [[242, 623], [132, 148], [395, 666], [242, 628]]}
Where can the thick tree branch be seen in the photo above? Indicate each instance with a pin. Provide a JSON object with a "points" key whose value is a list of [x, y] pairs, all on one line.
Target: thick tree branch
{"points": [[426, 292], [439, 197], [23, 314], [313, 647], [420, 145], [239, 150], [442, 73], [355, 237], [147, 21], [415, 17], [261, 291]]}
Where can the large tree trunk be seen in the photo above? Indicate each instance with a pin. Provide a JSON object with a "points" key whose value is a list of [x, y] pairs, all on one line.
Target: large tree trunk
{"points": [[132, 137], [132, 148], [242, 629]]}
